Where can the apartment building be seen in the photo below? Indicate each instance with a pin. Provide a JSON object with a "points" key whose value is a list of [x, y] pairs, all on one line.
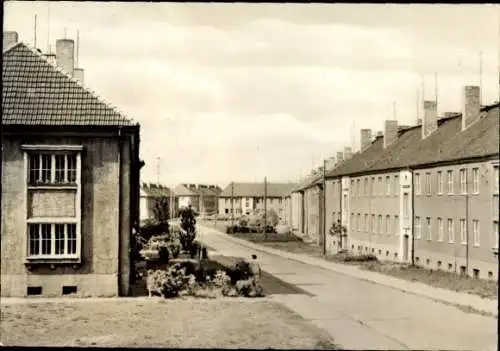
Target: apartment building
{"points": [[201, 197], [426, 194], [246, 198]]}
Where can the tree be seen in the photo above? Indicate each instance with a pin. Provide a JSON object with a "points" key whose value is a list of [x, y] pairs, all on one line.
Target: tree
{"points": [[161, 209], [337, 229], [188, 227]]}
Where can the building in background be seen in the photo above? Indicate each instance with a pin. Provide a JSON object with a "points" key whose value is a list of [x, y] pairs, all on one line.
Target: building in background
{"points": [[70, 180], [247, 198], [202, 198], [151, 196]]}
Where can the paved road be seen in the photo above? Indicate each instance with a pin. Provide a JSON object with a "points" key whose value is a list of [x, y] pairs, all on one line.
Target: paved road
{"points": [[364, 315]]}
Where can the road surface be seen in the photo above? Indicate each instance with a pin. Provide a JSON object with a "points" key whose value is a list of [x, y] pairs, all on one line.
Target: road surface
{"points": [[364, 315]]}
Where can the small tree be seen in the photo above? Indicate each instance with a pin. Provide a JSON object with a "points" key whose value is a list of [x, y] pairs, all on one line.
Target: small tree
{"points": [[272, 218], [161, 209], [337, 229], [188, 227]]}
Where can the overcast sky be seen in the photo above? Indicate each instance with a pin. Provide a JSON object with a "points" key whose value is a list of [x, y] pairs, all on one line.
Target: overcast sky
{"points": [[241, 91]]}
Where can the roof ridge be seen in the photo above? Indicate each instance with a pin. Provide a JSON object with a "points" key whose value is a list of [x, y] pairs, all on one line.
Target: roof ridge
{"points": [[99, 97], [10, 47]]}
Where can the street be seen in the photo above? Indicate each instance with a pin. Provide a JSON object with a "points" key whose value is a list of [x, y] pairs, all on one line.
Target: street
{"points": [[360, 314]]}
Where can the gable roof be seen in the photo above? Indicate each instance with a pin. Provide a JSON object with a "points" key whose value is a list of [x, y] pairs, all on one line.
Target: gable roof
{"points": [[154, 190], [184, 190], [257, 190], [35, 92]]}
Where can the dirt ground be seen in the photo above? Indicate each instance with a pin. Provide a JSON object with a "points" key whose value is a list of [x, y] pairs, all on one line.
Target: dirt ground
{"points": [[177, 323]]}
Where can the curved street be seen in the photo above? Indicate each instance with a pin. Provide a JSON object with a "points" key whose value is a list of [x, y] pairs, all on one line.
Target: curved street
{"points": [[364, 315]]}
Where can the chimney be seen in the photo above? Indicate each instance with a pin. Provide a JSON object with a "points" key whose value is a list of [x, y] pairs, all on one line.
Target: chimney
{"points": [[192, 186], [78, 74], [340, 157], [366, 139], [471, 106], [9, 38], [390, 132], [430, 118], [330, 164], [65, 55], [347, 153]]}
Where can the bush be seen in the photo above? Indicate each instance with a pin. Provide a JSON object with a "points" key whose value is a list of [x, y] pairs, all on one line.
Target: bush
{"points": [[243, 222], [249, 288], [151, 228], [360, 258], [240, 271], [229, 229], [194, 249], [171, 282], [188, 227]]}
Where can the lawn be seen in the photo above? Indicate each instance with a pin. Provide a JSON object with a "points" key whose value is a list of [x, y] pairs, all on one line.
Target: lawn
{"points": [[179, 323]]}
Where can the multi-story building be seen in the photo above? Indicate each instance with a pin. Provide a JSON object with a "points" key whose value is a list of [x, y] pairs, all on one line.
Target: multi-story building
{"points": [[151, 195], [202, 198], [247, 198], [426, 194], [70, 180]]}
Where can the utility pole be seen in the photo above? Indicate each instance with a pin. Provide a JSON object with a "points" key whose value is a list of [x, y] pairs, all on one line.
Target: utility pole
{"points": [[48, 27], [324, 207], [480, 77], [34, 37], [158, 170], [77, 47], [232, 204], [265, 208]]}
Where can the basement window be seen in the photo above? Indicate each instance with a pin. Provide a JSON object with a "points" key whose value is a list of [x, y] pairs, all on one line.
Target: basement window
{"points": [[475, 273], [439, 264], [463, 270], [34, 290], [450, 266], [67, 290]]}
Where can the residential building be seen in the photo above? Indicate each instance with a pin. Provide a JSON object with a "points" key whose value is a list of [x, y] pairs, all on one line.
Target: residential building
{"points": [[202, 198], [70, 180], [247, 198], [425, 194], [151, 195]]}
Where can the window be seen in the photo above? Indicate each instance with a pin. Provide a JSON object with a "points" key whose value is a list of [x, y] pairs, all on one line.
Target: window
{"points": [[379, 225], [476, 233], [380, 186], [396, 224], [418, 228], [451, 232], [372, 224], [449, 180], [358, 186], [396, 184], [359, 222], [418, 185], [463, 181], [51, 168], [428, 228], [52, 239], [366, 186], [463, 231], [352, 220], [406, 205], [374, 186], [475, 180], [365, 223], [428, 183], [440, 229], [247, 202], [440, 182], [495, 235], [495, 179], [387, 224]]}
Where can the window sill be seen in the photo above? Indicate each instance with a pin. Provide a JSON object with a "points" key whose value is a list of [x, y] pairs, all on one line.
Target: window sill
{"points": [[53, 187], [52, 260]]}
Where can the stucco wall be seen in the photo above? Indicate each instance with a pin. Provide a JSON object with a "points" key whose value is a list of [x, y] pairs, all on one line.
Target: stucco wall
{"points": [[97, 274]]}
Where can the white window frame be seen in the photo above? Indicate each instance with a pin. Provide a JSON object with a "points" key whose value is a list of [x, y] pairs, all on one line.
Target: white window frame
{"points": [[418, 184], [463, 231], [418, 228], [374, 186], [496, 186], [451, 231], [428, 183], [387, 224], [373, 225], [440, 183], [77, 186], [495, 235], [379, 224], [449, 181], [475, 180], [396, 225], [476, 230], [428, 224], [396, 185], [463, 180], [440, 226], [380, 186]]}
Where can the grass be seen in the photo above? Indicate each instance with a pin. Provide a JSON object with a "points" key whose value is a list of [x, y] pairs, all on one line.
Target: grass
{"points": [[179, 323]]}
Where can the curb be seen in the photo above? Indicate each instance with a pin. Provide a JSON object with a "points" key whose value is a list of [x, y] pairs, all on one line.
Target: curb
{"points": [[487, 306]]}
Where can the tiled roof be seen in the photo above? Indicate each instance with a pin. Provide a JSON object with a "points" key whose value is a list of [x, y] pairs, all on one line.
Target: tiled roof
{"points": [[309, 181], [181, 190], [257, 190], [185, 190], [35, 92], [153, 190]]}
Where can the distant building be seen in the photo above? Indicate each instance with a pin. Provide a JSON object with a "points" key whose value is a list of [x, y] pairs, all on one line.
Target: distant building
{"points": [[246, 198], [70, 180], [151, 194], [201, 197]]}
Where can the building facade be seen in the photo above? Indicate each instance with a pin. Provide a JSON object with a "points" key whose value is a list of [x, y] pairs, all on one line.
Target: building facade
{"points": [[153, 194], [70, 181], [202, 198]]}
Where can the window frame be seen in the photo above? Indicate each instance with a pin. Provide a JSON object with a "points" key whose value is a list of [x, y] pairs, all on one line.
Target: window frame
{"points": [[418, 184], [475, 180], [53, 221], [495, 235], [451, 233], [440, 228], [496, 185], [428, 229], [428, 183], [462, 176], [418, 227], [476, 233], [449, 182], [440, 183], [463, 231]]}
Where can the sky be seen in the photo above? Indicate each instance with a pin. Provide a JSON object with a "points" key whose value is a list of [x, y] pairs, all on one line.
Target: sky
{"points": [[238, 92]]}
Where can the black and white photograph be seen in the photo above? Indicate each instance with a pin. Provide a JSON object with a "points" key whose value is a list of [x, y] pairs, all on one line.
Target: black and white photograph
{"points": [[250, 175]]}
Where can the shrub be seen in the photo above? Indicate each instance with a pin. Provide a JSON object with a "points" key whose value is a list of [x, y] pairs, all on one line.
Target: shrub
{"points": [[360, 258], [151, 228], [188, 227], [249, 288], [229, 229], [194, 249], [243, 222], [240, 271], [171, 282]]}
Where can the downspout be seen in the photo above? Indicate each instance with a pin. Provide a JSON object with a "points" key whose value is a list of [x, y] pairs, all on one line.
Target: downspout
{"points": [[467, 233], [119, 270], [323, 212], [412, 218]]}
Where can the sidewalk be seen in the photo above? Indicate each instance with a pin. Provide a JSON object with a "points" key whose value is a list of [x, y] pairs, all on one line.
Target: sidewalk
{"points": [[416, 288]]}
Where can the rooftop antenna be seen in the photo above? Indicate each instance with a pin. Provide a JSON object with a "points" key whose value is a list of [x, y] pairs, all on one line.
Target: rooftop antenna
{"points": [[480, 77], [77, 47], [34, 34], [436, 89], [158, 170], [418, 104], [65, 33], [394, 109], [48, 27]]}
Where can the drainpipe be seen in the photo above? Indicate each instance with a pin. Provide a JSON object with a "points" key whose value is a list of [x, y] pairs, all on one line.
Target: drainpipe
{"points": [[324, 207], [467, 233], [119, 270], [412, 218]]}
